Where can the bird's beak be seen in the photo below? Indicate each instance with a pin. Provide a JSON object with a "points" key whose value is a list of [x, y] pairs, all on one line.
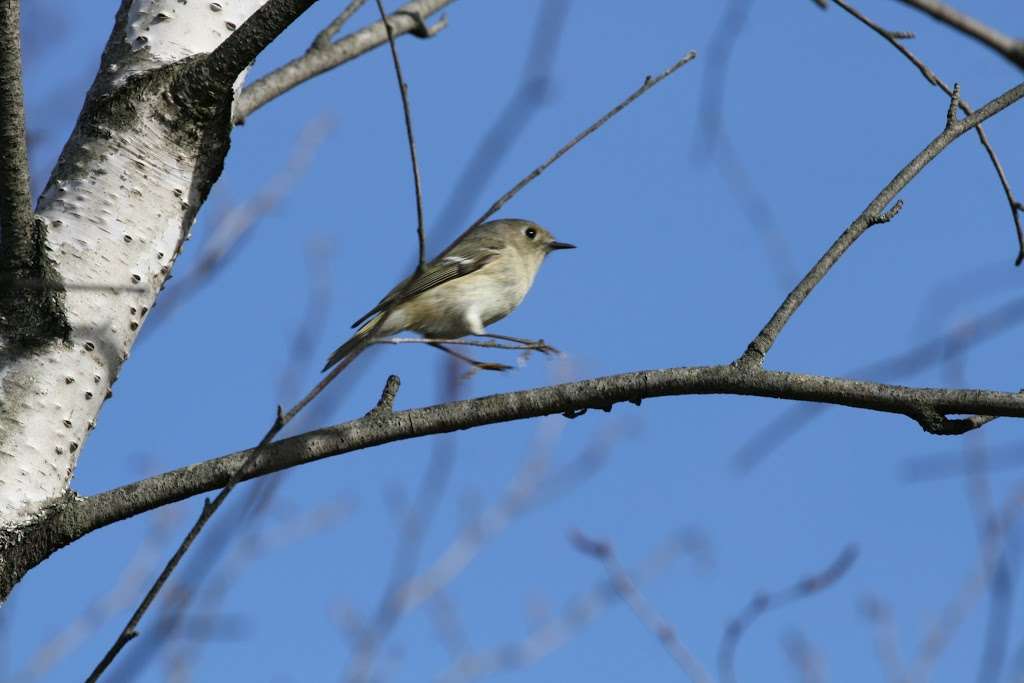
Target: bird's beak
{"points": [[560, 245]]}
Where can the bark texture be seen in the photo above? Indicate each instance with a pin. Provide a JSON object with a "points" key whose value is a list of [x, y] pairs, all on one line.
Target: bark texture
{"points": [[117, 208]]}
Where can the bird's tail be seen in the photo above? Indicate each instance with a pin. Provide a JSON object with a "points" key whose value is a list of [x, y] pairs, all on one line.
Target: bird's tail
{"points": [[353, 346]]}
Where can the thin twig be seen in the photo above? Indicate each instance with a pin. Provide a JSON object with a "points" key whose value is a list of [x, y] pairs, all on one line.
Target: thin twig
{"points": [[17, 225], [649, 83], [129, 631], [404, 90], [538, 345], [765, 602], [762, 343], [524, 103], [627, 589], [324, 38], [894, 38]]}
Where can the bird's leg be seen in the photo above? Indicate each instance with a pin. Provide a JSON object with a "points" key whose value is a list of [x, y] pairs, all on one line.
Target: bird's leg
{"points": [[479, 365], [530, 344]]}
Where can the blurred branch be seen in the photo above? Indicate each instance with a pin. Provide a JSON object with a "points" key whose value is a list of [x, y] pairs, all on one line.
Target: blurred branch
{"points": [[712, 141], [101, 609], [1010, 48], [648, 83], [237, 224], [577, 614], [524, 102], [766, 602], [953, 614], [255, 545], [894, 38], [533, 486], [627, 590], [409, 18], [877, 613], [874, 214], [413, 526], [806, 661], [905, 364]]}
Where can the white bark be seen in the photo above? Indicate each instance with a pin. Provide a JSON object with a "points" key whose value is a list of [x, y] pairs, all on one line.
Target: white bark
{"points": [[117, 208]]}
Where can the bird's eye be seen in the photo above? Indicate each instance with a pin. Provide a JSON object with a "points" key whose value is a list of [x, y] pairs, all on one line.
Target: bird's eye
{"points": [[530, 233]]}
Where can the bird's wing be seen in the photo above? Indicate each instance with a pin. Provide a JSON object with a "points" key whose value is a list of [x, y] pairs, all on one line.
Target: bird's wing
{"points": [[446, 267]]}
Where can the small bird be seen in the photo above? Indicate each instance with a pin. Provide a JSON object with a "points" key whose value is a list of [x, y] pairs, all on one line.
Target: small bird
{"points": [[479, 279]]}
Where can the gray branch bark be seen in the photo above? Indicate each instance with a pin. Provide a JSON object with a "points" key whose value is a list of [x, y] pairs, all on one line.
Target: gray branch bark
{"points": [[409, 18], [74, 517], [1009, 47]]}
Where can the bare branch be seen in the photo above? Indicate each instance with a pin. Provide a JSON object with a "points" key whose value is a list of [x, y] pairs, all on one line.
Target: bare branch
{"points": [[905, 364], [894, 38], [765, 602], [762, 343], [81, 516], [403, 90], [407, 19], [627, 589], [1010, 48], [324, 38], [649, 83], [16, 220], [524, 103], [222, 66]]}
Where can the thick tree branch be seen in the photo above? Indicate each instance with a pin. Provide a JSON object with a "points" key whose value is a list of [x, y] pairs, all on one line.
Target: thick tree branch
{"points": [[921, 404], [243, 46], [409, 18], [16, 220], [1009, 47], [872, 215]]}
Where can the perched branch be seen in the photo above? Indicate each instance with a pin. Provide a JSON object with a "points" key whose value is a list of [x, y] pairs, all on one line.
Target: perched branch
{"points": [[1009, 47], [649, 83], [409, 18], [762, 343], [16, 220], [87, 514], [765, 602], [403, 90], [526, 345], [894, 38], [645, 613]]}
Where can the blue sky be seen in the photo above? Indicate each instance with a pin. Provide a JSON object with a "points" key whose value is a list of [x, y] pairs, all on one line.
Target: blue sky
{"points": [[669, 271]]}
